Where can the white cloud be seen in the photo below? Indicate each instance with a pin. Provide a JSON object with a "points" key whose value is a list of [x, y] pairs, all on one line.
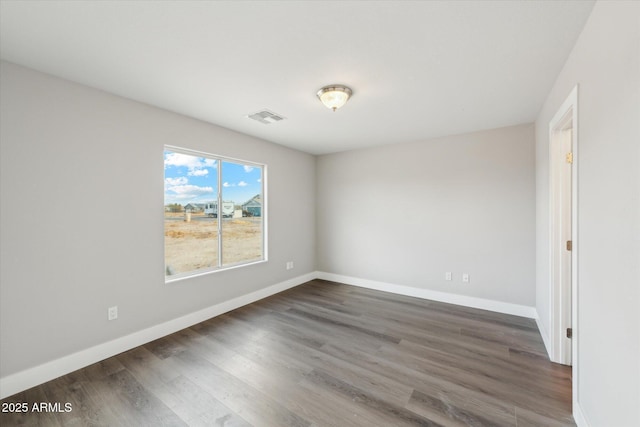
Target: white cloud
{"points": [[179, 159], [248, 168], [196, 165], [198, 172], [185, 192], [181, 180], [259, 179], [231, 184]]}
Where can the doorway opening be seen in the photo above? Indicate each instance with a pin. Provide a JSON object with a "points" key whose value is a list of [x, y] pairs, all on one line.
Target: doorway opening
{"points": [[563, 146]]}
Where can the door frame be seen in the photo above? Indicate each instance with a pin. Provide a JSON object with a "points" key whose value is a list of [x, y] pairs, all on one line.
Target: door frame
{"points": [[568, 112]]}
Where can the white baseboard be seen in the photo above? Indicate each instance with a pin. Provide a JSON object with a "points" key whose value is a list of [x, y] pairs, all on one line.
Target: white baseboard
{"points": [[578, 416], [467, 301], [545, 336], [32, 377]]}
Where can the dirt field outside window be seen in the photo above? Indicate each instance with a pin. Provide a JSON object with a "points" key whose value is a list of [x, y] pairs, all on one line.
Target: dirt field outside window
{"points": [[193, 245]]}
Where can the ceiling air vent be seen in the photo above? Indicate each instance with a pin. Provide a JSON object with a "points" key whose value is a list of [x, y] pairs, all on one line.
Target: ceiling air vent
{"points": [[266, 117]]}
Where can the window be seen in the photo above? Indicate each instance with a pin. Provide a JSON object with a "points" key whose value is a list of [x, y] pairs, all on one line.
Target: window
{"points": [[214, 213]]}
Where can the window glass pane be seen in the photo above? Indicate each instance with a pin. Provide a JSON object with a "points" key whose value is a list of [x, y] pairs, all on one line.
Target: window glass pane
{"points": [[242, 231], [191, 214]]}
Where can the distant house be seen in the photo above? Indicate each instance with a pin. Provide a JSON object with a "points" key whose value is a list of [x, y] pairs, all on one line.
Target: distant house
{"points": [[253, 207], [194, 207]]}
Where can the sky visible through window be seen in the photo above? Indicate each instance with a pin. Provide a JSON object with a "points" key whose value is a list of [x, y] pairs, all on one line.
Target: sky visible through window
{"points": [[193, 179]]}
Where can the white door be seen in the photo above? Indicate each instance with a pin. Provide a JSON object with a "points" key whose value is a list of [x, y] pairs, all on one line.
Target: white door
{"points": [[562, 216], [566, 243]]}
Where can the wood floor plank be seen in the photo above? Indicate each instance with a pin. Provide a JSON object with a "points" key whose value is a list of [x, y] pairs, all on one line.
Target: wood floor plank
{"points": [[84, 409], [458, 411], [322, 354], [379, 385], [28, 417], [476, 379], [302, 328], [198, 407], [326, 408], [185, 399], [502, 370], [365, 402], [528, 418], [252, 405]]}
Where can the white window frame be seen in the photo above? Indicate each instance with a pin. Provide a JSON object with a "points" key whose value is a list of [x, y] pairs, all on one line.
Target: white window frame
{"points": [[220, 267]]}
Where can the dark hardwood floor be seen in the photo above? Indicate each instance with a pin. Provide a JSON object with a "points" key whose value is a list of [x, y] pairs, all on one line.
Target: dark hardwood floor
{"points": [[322, 354]]}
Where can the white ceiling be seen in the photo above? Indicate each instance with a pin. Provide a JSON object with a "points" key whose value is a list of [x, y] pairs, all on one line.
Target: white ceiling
{"points": [[417, 69]]}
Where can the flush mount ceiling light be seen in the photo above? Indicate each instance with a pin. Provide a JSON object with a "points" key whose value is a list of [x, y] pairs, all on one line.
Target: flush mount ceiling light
{"points": [[334, 96]]}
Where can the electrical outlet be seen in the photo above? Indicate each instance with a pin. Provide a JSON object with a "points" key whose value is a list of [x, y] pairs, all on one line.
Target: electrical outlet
{"points": [[465, 277], [447, 275], [289, 265], [113, 312]]}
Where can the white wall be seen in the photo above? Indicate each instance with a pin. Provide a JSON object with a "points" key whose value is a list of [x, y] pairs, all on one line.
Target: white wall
{"points": [[81, 217], [605, 64], [405, 214]]}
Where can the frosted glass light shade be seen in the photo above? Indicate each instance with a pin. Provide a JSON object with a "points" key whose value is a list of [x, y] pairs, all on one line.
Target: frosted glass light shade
{"points": [[334, 96]]}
